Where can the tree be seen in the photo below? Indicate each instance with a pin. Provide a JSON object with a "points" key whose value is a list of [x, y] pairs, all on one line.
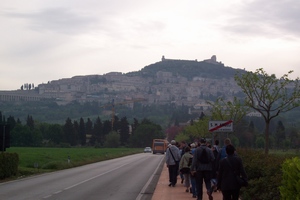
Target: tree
{"points": [[82, 134], [43, 131], [202, 115], [30, 122], [172, 132], [246, 132], [36, 138], [134, 125], [112, 140], [268, 95], [251, 127], [11, 122], [260, 142], [176, 123], [280, 134], [69, 132], [226, 110], [197, 130], [106, 127], [114, 123], [89, 127], [21, 136], [124, 131], [55, 133], [98, 136], [294, 137], [1, 117], [76, 139], [145, 133]]}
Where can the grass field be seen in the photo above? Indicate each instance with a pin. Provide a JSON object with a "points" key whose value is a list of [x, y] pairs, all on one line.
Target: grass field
{"points": [[40, 160]]}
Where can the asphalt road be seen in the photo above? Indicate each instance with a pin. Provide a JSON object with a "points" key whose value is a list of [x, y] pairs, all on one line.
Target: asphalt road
{"points": [[126, 178]]}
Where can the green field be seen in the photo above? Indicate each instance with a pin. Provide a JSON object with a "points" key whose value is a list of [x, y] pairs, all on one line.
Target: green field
{"points": [[40, 160]]}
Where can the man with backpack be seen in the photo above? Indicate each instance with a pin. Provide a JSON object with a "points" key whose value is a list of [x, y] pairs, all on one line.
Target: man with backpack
{"points": [[202, 167]]}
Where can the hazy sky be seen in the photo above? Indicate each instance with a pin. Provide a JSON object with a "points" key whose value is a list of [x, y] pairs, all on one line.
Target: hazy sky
{"points": [[44, 40]]}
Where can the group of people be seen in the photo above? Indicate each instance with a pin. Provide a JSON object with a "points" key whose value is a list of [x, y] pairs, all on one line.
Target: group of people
{"points": [[202, 162]]}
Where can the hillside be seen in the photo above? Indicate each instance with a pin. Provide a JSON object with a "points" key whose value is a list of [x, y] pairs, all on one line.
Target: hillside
{"points": [[188, 69], [169, 87]]}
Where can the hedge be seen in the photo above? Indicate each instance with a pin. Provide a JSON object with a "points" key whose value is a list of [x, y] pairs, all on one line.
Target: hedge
{"points": [[8, 165], [264, 174]]}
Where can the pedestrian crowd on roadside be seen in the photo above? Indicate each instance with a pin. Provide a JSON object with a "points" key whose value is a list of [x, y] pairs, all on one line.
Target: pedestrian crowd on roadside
{"points": [[200, 162]]}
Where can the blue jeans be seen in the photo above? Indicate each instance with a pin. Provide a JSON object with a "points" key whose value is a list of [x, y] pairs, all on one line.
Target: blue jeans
{"points": [[193, 183]]}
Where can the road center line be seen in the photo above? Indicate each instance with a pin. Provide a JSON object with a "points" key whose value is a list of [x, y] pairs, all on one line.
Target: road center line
{"points": [[67, 188]]}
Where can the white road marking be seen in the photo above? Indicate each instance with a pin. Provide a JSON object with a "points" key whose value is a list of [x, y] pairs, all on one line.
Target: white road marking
{"points": [[148, 182], [67, 188]]}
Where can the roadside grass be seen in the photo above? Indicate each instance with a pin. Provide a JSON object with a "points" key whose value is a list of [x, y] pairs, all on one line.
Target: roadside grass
{"points": [[40, 160]]}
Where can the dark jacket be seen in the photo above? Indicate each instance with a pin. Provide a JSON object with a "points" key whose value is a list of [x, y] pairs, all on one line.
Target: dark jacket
{"points": [[226, 177], [197, 165]]}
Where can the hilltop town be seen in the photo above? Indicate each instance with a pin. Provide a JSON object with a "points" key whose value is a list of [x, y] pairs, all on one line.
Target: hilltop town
{"points": [[159, 83]]}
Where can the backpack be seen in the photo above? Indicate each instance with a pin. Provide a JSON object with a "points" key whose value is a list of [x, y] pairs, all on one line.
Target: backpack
{"points": [[204, 157]]}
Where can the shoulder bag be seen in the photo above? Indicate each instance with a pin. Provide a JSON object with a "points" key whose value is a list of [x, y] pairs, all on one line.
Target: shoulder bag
{"points": [[241, 181], [176, 162]]}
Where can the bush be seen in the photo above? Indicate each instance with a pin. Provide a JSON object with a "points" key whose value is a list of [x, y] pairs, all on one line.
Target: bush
{"points": [[57, 165], [64, 145], [290, 188], [112, 140], [8, 165], [264, 174]]}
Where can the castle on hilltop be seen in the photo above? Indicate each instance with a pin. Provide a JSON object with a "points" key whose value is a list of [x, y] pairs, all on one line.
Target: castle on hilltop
{"points": [[212, 60]]}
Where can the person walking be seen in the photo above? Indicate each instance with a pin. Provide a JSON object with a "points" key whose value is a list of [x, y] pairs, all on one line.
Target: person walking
{"points": [[193, 177], [172, 160], [216, 145], [215, 150], [222, 152], [182, 152], [230, 168], [202, 166], [185, 167]]}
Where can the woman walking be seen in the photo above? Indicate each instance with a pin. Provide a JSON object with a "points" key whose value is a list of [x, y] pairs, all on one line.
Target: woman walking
{"points": [[230, 168], [184, 167]]}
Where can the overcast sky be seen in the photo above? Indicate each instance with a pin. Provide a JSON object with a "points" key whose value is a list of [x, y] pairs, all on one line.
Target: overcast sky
{"points": [[44, 40]]}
